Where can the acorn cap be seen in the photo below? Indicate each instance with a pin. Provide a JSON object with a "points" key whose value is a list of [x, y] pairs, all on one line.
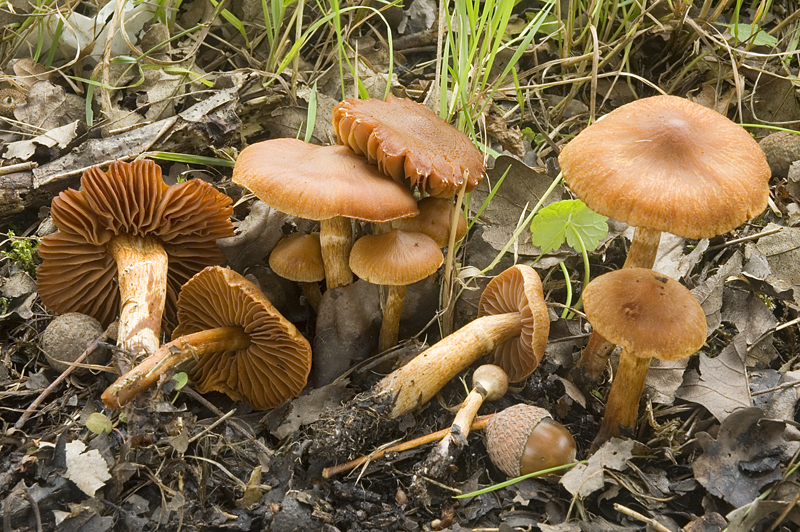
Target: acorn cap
{"points": [[646, 312], [523, 438], [434, 218], [78, 274], [320, 182], [298, 257], [273, 369], [669, 164], [395, 258], [409, 142], [518, 289]]}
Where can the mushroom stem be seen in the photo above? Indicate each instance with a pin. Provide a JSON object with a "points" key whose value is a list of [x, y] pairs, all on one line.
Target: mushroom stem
{"points": [[142, 267], [644, 247], [390, 326], [642, 254], [418, 381], [622, 406], [336, 239], [168, 356], [312, 294]]}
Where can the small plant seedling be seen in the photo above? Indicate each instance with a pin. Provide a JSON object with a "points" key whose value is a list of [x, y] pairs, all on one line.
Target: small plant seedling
{"points": [[571, 221], [99, 423], [181, 379]]}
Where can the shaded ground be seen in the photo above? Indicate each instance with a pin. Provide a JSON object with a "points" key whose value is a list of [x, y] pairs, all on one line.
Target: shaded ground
{"points": [[717, 443]]}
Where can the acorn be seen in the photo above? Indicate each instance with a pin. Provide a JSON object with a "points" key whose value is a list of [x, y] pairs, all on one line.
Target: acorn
{"points": [[523, 439]]}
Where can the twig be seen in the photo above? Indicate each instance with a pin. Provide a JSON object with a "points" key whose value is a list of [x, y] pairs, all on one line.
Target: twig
{"points": [[42, 396], [11, 168], [328, 472], [643, 518]]}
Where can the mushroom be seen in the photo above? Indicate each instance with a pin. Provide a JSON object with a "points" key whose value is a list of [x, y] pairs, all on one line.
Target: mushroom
{"points": [[409, 142], [435, 215], [523, 439], [394, 259], [239, 343], [326, 183], [664, 164], [650, 315], [513, 325], [298, 257], [128, 228]]}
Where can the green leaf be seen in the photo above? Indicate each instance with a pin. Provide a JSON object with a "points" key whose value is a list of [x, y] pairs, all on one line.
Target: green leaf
{"points": [[98, 423], [180, 378], [569, 220], [743, 32]]}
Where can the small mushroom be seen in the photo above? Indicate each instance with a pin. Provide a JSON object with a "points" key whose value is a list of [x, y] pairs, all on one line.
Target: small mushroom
{"points": [[650, 315], [512, 325], [664, 164], [394, 259], [326, 183], [126, 243], [523, 439], [239, 343], [298, 257], [410, 143]]}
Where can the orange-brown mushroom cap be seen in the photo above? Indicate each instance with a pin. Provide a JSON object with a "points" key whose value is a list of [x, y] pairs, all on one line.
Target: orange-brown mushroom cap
{"points": [[434, 218], [409, 142], [646, 312], [273, 369], [298, 257], [79, 275], [518, 289], [320, 182], [668, 164], [395, 258]]}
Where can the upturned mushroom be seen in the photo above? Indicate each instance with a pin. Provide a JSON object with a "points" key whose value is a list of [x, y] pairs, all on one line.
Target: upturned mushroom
{"points": [[326, 183], [298, 257], [512, 326], [236, 341], [664, 164], [523, 439], [126, 243], [394, 259], [410, 143], [650, 315]]}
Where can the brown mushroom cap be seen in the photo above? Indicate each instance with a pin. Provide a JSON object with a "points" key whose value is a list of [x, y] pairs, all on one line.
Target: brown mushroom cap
{"points": [[78, 273], [669, 164], [434, 218], [518, 289], [646, 312], [408, 141], [395, 258], [320, 182], [298, 257], [272, 369]]}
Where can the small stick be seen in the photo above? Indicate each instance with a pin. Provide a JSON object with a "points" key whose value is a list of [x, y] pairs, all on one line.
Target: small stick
{"points": [[328, 472], [94, 344], [643, 518]]}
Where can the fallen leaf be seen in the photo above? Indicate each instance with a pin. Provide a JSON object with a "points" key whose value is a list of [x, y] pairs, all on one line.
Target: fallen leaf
{"points": [[746, 518], [584, 479], [745, 457], [709, 294], [671, 258], [664, 378], [59, 136], [88, 470], [782, 251], [721, 383]]}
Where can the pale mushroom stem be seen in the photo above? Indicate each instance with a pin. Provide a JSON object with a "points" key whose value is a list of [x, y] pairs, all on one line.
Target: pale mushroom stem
{"points": [[142, 267], [392, 310], [468, 411], [622, 406], [168, 356], [642, 254], [418, 381], [336, 240]]}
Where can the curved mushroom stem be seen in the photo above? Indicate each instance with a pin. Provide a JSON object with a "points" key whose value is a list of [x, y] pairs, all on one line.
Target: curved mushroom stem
{"points": [[142, 267], [336, 239], [418, 381], [312, 294], [390, 326], [622, 406], [642, 254], [168, 356]]}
